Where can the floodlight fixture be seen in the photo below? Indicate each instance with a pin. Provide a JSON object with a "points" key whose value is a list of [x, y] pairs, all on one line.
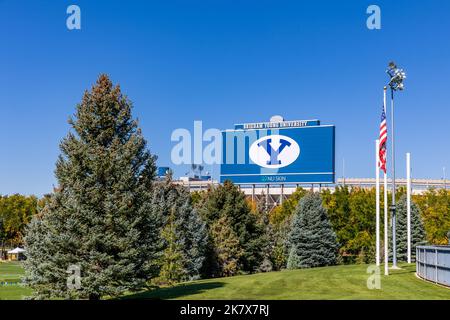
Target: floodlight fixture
{"points": [[397, 76]]}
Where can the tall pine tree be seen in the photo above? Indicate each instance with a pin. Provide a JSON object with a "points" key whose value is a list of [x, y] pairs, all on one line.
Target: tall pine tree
{"points": [[312, 241], [417, 230], [100, 218], [229, 202], [173, 260], [226, 247], [191, 235]]}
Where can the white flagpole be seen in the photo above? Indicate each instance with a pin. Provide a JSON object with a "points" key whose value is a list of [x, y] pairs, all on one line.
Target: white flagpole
{"points": [[377, 179], [386, 252], [386, 249], [408, 203]]}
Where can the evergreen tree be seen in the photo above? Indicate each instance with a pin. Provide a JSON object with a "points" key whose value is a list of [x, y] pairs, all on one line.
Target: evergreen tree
{"points": [[100, 217], [196, 240], [260, 210], [226, 247], [279, 237], [190, 229], [293, 261], [278, 255], [283, 213], [417, 230], [312, 241], [228, 201], [280, 220], [173, 259]]}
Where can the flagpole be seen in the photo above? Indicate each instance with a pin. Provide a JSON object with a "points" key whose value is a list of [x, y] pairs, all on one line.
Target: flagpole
{"points": [[408, 205], [386, 248], [377, 179]]}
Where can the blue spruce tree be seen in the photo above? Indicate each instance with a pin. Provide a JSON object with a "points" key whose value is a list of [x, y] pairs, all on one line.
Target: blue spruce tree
{"points": [[312, 241], [417, 230], [100, 219], [190, 230]]}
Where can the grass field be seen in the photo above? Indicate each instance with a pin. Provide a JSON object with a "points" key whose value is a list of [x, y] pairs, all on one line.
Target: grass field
{"points": [[340, 282], [10, 278]]}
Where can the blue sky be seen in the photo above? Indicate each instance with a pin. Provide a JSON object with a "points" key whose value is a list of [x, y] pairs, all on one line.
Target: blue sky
{"points": [[224, 62]]}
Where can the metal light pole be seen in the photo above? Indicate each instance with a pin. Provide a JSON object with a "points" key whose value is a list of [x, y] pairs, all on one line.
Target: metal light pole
{"points": [[408, 206], [396, 83]]}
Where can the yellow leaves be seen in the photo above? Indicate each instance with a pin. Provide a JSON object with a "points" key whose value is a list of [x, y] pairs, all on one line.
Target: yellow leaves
{"points": [[435, 207], [16, 212]]}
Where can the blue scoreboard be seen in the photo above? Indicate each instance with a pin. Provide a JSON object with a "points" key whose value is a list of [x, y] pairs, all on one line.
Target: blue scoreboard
{"points": [[279, 152]]}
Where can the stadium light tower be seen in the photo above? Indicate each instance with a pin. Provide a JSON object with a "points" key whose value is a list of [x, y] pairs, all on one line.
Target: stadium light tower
{"points": [[397, 76]]}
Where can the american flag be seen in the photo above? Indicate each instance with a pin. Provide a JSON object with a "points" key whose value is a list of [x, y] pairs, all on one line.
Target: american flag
{"points": [[383, 140]]}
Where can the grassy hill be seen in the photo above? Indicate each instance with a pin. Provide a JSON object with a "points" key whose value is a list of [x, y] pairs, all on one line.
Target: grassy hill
{"points": [[339, 282]]}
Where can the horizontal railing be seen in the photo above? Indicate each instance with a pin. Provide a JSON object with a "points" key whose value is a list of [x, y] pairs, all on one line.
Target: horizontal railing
{"points": [[433, 264]]}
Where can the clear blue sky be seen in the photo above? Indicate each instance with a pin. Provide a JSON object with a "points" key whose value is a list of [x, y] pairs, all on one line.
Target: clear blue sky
{"points": [[224, 62]]}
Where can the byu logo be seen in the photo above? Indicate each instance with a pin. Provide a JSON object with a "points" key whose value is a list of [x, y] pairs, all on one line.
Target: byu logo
{"points": [[273, 154], [275, 151]]}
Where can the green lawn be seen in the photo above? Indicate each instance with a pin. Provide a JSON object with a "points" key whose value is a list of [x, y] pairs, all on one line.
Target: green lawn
{"points": [[11, 272], [340, 282]]}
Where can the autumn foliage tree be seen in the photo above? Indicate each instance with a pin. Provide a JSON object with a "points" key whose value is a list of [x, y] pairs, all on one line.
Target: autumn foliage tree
{"points": [[435, 209], [16, 211]]}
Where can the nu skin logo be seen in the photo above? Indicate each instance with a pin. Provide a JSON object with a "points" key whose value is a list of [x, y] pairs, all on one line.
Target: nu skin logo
{"points": [[274, 151]]}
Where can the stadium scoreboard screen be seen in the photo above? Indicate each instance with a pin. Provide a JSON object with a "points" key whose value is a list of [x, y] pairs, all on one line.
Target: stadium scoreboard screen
{"points": [[279, 152]]}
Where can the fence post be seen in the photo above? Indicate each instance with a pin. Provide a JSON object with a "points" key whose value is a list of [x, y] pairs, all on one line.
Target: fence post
{"points": [[417, 261], [425, 262], [436, 265]]}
